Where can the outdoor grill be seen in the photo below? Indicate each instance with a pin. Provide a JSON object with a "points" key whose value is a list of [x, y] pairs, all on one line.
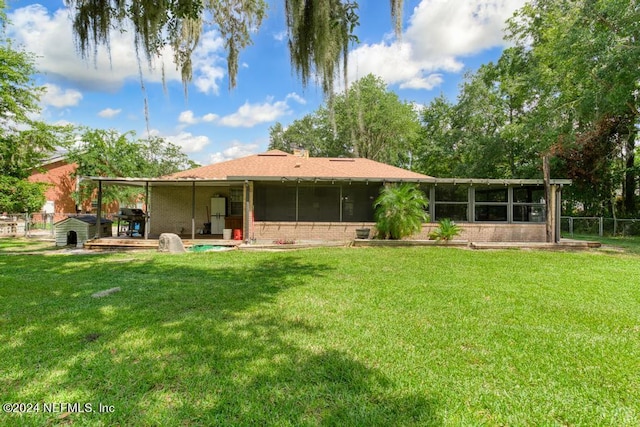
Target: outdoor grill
{"points": [[131, 222]]}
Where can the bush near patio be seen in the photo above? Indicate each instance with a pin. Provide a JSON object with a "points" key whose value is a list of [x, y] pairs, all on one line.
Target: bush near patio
{"points": [[445, 231], [400, 211], [337, 336]]}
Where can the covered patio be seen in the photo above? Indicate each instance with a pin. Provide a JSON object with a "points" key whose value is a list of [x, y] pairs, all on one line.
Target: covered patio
{"points": [[487, 210]]}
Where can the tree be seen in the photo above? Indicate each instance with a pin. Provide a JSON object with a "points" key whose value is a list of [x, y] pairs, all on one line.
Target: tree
{"points": [[485, 134], [312, 133], [400, 211], [585, 57], [569, 86], [24, 142], [19, 195], [367, 121], [319, 30], [110, 153], [374, 123]]}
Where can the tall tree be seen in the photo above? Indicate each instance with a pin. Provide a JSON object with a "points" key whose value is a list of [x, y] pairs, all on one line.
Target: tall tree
{"points": [[24, 141], [377, 124], [319, 30], [111, 153], [485, 134], [367, 121], [585, 54]]}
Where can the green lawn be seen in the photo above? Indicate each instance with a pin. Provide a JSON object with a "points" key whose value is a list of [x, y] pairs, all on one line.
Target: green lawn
{"points": [[337, 336], [629, 244]]}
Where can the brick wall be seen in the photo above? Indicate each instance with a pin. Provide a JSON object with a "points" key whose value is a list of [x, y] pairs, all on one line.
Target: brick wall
{"points": [[337, 231], [171, 208], [171, 213]]}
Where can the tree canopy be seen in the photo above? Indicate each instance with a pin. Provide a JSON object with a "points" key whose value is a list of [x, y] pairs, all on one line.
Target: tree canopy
{"points": [[319, 31], [24, 141], [111, 153], [367, 121], [569, 87]]}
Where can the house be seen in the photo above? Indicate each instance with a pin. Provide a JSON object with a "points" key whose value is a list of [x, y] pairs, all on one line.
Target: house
{"points": [[276, 195], [60, 175]]}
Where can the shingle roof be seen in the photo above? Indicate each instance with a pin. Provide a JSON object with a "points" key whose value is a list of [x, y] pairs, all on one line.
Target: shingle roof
{"points": [[278, 164]]}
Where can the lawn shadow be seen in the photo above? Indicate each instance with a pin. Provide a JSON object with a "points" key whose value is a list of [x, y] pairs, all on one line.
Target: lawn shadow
{"points": [[198, 339]]}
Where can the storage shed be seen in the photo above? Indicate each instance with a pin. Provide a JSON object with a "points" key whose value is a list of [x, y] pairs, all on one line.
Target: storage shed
{"points": [[76, 230]]}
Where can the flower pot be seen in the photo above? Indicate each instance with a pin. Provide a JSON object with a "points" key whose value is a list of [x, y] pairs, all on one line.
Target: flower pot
{"points": [[362, 233]]}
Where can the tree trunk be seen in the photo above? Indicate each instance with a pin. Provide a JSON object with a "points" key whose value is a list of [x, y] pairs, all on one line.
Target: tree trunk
{"points": [[630, 175]]}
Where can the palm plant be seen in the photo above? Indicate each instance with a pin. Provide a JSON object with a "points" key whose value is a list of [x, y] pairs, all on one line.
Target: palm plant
{"points": [[400, 210], [446, 230]]}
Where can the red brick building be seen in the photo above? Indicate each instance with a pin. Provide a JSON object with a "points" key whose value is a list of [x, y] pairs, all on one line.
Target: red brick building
{"points": [[59, 174]]}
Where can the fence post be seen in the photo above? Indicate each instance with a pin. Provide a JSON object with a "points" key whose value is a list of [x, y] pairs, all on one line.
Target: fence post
{"points": [[571, 226], [600, 226]]}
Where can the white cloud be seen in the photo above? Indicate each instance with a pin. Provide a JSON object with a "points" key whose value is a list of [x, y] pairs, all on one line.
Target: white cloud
{"points": [[187, 117], [49, 37], [209, 118], [206, 63], [281, 36], [109, 113], [396, 64], [249, 115], [439, 29], [55, 96], [439, 35], [188, 142], [297, 98], [236, 151]]}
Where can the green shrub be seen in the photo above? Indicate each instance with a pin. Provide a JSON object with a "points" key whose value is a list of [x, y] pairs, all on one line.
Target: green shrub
{"points": [[400, 211], [446, 230]]}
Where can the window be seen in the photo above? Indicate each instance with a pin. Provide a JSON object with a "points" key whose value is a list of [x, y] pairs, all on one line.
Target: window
{"points": [[306, 202], [235, 202], [452, 202], [274, 202], [319, 203], [357, 201], [528, 204], [491, 204]]}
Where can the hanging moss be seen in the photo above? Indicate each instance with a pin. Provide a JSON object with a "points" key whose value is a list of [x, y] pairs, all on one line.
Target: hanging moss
{"points": [[320, 31]]}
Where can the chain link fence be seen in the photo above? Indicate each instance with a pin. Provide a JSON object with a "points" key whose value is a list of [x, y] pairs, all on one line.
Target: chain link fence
{"points": [[35, 224], [599, 226]]}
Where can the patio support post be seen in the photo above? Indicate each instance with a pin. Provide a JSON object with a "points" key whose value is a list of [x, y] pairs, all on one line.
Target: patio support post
{"points": [[193, 210], [549, 199], [247, 214], [558, 212], [146, 216], [99, 212]]}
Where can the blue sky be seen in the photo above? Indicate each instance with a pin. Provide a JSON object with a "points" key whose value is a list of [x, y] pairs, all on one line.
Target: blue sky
{"points": [[441, 40]]}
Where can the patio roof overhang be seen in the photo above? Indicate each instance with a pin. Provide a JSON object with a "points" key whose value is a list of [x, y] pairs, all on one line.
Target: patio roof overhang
{"points": [[236, 180]]}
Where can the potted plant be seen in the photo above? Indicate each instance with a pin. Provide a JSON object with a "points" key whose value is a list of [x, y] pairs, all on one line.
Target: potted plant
{"points": [[362, 233], [400, 211]]}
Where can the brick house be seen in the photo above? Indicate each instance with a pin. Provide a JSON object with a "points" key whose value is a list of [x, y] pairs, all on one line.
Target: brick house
{"points": [[59, 174], [276, 195]]}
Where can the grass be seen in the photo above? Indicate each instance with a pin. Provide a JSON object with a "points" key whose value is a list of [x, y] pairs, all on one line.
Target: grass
{"points": [[22, 244], [361, 336], [629, 244]]}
